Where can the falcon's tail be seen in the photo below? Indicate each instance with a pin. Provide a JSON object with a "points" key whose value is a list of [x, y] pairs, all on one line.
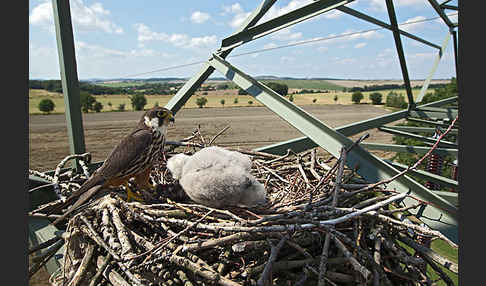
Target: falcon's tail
{"points": [[86, 191]]}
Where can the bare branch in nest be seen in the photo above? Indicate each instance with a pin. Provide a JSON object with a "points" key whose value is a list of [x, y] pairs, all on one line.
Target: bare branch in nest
{"points": [[80, 273], [312, 208], [356, 265], [266, 274], [217, 135]]}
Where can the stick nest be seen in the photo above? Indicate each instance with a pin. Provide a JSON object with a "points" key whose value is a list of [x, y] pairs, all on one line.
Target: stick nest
{"points": [[324, 225]]}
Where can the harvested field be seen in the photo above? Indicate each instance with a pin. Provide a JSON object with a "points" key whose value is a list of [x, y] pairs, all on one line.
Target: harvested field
{"points": [[250, 127], [362, 83]]}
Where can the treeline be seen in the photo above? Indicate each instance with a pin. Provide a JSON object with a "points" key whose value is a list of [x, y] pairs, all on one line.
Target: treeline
{"points": [[56, 86], [279, 88], [95, 89], [391, 86]]}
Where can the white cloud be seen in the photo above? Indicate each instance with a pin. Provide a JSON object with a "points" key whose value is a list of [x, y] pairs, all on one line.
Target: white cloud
{"points": [[345, 61], [85, 18], [203, 41], [360, 45], [347, 36], [238, 19], [366, 35], [286, 35], [239, 14], [199, 17], [410, 26], [145, 34], [333, 14], [42, 14], [95, 51], [36, 51], [386, 58], [269, 46], [287, 60], [422, 56], [380, 5], [234, 9], [276, 10], [91, 51]]}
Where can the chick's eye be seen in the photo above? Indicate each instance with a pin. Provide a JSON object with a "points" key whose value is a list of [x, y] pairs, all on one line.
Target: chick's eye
{"points": [[161, 114]]}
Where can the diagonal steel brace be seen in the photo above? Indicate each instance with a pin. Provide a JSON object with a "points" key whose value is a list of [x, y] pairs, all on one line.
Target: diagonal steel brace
{"points": [[439, 214]]}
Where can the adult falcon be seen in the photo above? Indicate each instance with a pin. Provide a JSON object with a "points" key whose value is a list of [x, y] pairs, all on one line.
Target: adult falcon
{"points": [[133, 157]]}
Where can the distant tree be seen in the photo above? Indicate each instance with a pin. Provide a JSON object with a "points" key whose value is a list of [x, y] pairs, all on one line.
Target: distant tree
{"points": [[201, 101], [335, 98], [46, 105], [222, 86], [394, 99], [87, 101], [109, 104], [376, 97], [236, 100], [121, 107], [314, 100], [97, 106], [357, 96], [250, 102], [138, 101], [222, 102], [443, 92], [156, 104], [291, 98], [280, 88]]}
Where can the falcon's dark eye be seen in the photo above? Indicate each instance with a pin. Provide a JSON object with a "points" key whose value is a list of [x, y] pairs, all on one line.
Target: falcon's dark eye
{"points": [[161, 114]]}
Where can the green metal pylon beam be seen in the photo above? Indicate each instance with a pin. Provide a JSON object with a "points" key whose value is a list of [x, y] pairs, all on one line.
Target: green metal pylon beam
{"points": [[441, 13], [443, 181], [281, 22], [69, 76], [434, 123], [437, 59], [409, 149], [304, 143], [380, 23], [401, 54], [454, 43], [448, 113], [187, 90], [429, 130], [440, 214], [442, 143]]}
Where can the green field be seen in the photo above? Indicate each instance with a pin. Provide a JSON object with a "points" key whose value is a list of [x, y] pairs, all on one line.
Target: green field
{"points": [[214, 99], [442, 248], [291, 83], [308, 84]]}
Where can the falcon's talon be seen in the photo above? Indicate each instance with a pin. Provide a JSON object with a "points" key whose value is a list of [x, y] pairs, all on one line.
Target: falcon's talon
{"points": [[132, 196]]}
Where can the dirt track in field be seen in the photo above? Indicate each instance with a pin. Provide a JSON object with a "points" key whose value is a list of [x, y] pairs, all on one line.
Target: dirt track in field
{"points": [[250, 127]]}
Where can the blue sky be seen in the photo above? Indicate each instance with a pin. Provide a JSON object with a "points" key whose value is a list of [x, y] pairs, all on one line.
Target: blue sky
{"points": [[131, 38]]}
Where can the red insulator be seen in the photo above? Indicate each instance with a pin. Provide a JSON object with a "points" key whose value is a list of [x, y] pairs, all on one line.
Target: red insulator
{"points": [[454, 172], [434, 165]]}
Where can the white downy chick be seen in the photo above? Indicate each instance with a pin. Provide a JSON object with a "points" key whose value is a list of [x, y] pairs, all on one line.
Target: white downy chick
{"points": [[217, 177]]}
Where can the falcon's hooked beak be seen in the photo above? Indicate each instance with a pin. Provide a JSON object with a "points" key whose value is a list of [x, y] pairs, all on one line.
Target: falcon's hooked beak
{"points": [[159, 120]]}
